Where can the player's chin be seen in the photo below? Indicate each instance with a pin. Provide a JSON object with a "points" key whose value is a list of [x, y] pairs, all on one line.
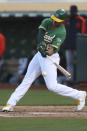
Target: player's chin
{"points": [[49, 54]]}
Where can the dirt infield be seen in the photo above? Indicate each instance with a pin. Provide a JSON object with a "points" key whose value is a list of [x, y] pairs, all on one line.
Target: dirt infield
{"points": [[44, 112], [82, 86]]}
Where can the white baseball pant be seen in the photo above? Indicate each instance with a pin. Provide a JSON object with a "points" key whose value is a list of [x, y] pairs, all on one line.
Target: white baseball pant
{"points": [[38, 66]]}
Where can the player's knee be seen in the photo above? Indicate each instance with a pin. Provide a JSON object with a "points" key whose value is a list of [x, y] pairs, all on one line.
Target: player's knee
{"points": [[52, 86]]}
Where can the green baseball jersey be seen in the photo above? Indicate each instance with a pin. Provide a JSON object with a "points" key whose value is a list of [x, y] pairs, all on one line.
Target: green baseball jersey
{"points": [[59, 32]]}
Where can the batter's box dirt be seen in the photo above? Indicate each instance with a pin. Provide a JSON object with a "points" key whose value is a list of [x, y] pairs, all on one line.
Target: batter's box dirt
{"points": [[45, 112]]}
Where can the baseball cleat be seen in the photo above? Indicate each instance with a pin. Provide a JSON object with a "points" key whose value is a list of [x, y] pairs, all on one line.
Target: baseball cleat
{"points": [[81, 103], [7, 108]]}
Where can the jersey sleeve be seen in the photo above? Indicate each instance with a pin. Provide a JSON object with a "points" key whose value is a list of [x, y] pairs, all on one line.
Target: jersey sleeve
{"points": [[58, 41], [44, 24]]}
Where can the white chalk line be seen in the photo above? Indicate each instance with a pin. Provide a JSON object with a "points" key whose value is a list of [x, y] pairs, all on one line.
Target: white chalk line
{"points": [[37, 114], [4, 115], [54, 113], [29, 113]]}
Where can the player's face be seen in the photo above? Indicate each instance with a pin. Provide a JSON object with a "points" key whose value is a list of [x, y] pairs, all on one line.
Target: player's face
{"points": [[50, 49]]}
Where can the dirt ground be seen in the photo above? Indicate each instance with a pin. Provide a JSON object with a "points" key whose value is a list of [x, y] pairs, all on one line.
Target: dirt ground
{"points": [[43, 87], [44, 112]]}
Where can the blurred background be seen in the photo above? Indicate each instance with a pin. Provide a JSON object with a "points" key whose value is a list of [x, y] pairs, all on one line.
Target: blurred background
{"points": [[19, 21]]}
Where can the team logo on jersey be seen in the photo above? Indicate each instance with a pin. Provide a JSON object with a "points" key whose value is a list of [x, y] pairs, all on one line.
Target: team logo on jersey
{"points": [[48, 38]]}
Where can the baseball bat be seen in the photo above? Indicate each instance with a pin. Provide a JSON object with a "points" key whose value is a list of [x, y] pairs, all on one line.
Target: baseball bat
{"points": [[65, 72]]}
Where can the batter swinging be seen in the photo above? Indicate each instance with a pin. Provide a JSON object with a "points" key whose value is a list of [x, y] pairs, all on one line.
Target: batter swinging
{"points": [[51, 35]]}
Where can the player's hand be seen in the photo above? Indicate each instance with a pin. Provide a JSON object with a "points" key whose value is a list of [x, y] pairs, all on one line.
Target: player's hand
{"points": [[42, 49]]}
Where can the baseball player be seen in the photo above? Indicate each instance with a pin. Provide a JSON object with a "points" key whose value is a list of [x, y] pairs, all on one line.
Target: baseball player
{"points": [[51, 35]]}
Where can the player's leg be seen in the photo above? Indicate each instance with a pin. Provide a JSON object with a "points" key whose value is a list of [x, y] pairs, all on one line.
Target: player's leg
{"points": [[51, 82], [64, 90], [33, 72]]}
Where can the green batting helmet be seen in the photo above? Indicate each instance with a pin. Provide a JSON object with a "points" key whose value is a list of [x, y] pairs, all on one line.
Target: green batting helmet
{"points": [[59, 16]]}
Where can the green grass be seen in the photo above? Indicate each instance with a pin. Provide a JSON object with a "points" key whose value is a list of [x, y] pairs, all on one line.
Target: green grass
{"points": [[45, 124], [38, 97]]}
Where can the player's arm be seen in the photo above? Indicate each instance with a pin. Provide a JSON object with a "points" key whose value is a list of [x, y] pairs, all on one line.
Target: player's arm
{"points": [[45, 46], [44, 40], [41, 47], [41, 34]]}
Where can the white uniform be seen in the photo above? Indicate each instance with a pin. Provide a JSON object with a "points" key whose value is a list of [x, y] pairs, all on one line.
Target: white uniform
{"points": [[38, 66]]}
